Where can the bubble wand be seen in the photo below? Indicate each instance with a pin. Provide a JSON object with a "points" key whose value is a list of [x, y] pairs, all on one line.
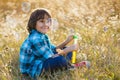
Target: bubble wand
{"points": [[75, 37]]}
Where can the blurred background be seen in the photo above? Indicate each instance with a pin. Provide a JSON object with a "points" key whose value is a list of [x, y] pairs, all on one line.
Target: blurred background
{"points": [[96, 22]]}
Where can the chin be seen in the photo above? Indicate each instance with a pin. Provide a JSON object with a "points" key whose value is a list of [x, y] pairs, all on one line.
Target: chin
{"points": [[44, 32]]}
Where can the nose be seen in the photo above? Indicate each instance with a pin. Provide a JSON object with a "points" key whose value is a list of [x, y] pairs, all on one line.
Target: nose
{"points": [[45, 25]]}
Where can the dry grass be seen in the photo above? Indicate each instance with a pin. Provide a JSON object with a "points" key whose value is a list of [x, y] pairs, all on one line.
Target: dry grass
{"points": [[96, 22]]}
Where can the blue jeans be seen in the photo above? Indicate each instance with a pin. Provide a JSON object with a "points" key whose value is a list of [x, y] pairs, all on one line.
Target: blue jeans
{"points": [[58, 63]]}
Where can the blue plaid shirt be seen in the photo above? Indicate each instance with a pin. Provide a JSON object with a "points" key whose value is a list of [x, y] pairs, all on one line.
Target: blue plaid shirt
{"points": [[34, 51]]}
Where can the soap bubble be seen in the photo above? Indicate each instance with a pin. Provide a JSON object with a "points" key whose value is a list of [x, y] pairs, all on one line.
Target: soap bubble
{"points": [[105, 29], [26, 6], [16, 35], [54, 25], [11, 21], [71, 31], [48, 22]]}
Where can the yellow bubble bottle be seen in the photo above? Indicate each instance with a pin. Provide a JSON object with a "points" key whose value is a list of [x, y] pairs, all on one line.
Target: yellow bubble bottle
{"points": [[75, 37]]}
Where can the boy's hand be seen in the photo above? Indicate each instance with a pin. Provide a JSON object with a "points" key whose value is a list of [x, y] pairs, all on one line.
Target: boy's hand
{"points": [[69, 38], [60, 52], [55, 55], [67, 49], [75, 47]]}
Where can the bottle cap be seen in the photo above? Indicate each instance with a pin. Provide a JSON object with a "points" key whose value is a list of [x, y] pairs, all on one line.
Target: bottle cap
{"points": [[75, 37]]}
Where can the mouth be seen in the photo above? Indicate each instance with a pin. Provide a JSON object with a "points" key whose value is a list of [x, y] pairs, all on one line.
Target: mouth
{"points": [[45, 28]]}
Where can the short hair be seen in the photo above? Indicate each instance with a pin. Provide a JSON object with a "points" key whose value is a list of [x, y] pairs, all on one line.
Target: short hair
{"points": [[35, 16]]}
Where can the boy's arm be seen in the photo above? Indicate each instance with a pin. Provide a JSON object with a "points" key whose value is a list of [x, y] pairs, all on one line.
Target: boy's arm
{"points": [[67, 49], [64, 43]]}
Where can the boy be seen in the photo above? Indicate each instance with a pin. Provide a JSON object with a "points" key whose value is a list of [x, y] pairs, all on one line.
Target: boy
{"points": [[37, 53]]}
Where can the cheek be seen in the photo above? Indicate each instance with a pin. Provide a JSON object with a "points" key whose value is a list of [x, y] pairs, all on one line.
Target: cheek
{"points": [[40, 24]]}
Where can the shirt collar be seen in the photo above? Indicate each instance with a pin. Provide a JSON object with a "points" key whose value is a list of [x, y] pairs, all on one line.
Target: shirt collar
{"points": [[34, 30], [44, 36]]}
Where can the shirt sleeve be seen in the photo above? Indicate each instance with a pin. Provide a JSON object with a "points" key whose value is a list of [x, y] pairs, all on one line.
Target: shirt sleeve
{"points": [[53, 47], [41, 49]]}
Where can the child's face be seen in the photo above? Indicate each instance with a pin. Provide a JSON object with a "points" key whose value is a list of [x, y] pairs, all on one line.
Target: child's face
{"points": [[43, 25]]}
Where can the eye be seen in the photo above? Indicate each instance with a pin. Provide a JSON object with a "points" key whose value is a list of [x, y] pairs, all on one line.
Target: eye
{"points": [[41, 20]]}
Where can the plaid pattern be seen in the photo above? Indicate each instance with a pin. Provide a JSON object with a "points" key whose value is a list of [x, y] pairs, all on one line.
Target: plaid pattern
{"points": [[34, 51]]}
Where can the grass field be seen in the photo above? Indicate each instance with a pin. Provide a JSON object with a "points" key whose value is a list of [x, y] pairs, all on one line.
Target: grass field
{"points": [[96, 22]]}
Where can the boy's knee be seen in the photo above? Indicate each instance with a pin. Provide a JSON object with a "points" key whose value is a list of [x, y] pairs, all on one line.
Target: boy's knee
{"points": [[62, 60]]}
